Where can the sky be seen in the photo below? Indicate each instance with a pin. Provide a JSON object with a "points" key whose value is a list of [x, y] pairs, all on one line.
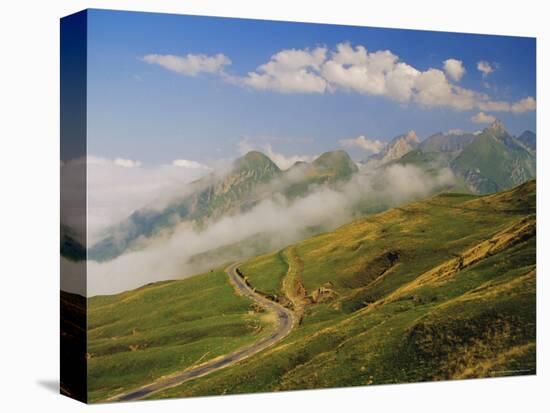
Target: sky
{"points": [[192, 91]]}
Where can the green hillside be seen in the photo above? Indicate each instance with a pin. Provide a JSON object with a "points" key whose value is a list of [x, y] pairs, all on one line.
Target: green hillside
{"points": [[447, 142], [435, 290], [438, 289], [430, 162], [330, 168], [494, 161], [140, 335], [529, 139], [433, 163]]}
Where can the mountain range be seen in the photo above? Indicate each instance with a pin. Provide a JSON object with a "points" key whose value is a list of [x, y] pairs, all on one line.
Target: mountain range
{"points": [[488, 161], [252, 178]]}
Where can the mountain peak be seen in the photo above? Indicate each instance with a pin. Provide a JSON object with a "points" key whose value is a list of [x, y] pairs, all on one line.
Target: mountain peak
{"points": [[411, 136], [255, 156], [497, 127], [255, 160], [338, 161], [398, 147]]}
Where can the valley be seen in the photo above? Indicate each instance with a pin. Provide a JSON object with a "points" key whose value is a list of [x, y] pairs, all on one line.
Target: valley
{"points": [[437, 289]]}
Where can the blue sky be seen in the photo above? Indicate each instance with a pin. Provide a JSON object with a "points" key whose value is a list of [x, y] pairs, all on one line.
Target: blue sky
{"points": [[144, 107]]}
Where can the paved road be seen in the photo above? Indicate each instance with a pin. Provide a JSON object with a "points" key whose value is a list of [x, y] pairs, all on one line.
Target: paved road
{"points": [[285, 323]]}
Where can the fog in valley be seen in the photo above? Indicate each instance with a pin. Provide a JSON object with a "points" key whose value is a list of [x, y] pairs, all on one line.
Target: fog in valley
{"points": [[115, 191]]}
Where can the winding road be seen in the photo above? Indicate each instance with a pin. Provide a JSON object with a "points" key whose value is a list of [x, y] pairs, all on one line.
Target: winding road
{"points": [[286, 321]]}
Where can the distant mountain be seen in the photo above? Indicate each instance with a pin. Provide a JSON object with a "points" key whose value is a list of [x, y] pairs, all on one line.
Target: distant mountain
{"points": [[252, 178], [210, 197], [336, 164], [494, 161], [449, 142], [529, 139], [328, 169], [395, 149], [489, 161]]}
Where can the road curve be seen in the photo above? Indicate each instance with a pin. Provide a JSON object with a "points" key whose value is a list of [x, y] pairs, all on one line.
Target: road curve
{"points": [[285, 323]]}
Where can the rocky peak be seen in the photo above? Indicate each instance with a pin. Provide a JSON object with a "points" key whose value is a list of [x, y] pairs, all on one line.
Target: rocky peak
{"points": [[255, 161], [497, 127], [411, 136], [399, 146]]}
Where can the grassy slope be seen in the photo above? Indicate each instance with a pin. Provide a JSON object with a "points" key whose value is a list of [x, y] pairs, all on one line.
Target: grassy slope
{"points": [[266, 272], [434, 290], [432, 163], [138, 336], [498, 164]]}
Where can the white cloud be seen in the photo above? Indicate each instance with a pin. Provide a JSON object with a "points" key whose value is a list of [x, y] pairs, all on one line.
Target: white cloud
{"points": [[482, 117], [379, 73], [127, 163], [524, 105], [280, 221], [454, 69], [190, 64], [290, 71], [357, 70], [485, 68], [352, 69], [116, 188], [286, 161], [184, 163], [370, 145]]}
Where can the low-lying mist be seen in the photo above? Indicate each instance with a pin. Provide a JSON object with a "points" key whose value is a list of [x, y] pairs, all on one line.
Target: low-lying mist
{"points": [[276, 220]]}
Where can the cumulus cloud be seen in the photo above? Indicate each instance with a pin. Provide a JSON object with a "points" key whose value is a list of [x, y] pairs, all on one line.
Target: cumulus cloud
{"points": [[454, 69], [524, 105], [278, 220], [290, 71], [482, 117], [379, 73], [370, 145], [352, 69], [485, 68], [281, 160], [190, 64]]}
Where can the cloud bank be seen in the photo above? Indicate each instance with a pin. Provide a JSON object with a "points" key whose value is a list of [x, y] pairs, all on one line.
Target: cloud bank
{"points": [[352, 69], [117, 187], [276, 219]]}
